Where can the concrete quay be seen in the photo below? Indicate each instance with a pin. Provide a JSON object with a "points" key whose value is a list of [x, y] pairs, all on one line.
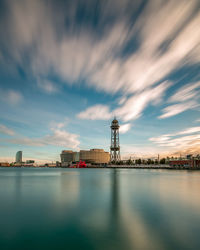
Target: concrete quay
{"points": [[145, 167]]}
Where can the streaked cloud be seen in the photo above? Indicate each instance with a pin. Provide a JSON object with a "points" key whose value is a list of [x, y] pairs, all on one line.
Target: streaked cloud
{"points": [[77, 53], [139, 151], [186, 97], [187, 139], [135, 105], [176, 109], [47, 86], [130, 50], [6, 130], [189, 131], [10, 96], [186, 92], [124, 128], [61, 137], [58, 137], [132, 107], [97, 112]]}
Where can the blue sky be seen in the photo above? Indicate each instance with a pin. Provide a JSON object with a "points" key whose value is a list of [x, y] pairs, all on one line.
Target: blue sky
{"points": [[68, 67]]}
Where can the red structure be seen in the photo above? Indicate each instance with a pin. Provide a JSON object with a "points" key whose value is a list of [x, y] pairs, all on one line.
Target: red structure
{"points": [[80, 164]]}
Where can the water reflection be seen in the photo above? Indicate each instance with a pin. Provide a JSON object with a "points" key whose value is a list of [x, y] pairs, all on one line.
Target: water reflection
{"points": [[99, 209]]}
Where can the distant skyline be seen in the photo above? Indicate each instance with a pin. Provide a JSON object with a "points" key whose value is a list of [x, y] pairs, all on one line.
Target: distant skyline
{"points": [[68, 67]]}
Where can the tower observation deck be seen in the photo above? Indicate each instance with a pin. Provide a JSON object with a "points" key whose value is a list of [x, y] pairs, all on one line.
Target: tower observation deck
{"points": [[114, 148]]}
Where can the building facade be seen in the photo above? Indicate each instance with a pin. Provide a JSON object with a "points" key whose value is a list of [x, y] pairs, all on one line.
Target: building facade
{"points": [[187, 163], [68, 156], [95, 156], [98, 156], [4, 164], [18, 158]]}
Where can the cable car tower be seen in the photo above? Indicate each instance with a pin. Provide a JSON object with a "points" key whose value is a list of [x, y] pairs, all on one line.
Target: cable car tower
{"points": [[114, 148]]}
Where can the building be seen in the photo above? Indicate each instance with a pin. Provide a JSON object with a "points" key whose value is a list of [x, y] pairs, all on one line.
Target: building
{"points": [[18, 157], [114, 147], [95, 156], [68, 156], [4, 164], [98, 156], [52, 165], [187, 163]]}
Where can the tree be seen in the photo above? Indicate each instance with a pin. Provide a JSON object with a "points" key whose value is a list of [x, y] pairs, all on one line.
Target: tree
{"points": [[162, 161], [149, 161], [143, 161], [129, 162]]}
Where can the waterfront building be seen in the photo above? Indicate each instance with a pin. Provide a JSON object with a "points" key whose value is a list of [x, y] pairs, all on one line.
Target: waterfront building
{"points": [[191, 163], [68, 156], [4, 164], [53, 165], [98, 156], [95, 156], [18, 157]]}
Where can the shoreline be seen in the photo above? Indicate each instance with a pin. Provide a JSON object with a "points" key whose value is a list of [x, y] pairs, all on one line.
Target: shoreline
{"points": [[113, 167]]}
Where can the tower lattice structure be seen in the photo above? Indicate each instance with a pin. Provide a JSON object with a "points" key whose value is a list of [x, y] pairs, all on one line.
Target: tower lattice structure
{"points": [[114, 148]]}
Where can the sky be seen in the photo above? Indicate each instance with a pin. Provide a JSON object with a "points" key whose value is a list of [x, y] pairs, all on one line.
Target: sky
{"points": [[68, 67]]}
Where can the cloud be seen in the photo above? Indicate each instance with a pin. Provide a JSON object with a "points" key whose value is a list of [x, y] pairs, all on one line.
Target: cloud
{"points": [[189, 140], [164, 37], [164, 32], [97, 112], [47, 86], [187, 92], [132, 107], [189, 131], [186, 97], [6, 130], [58, 137], [122, 100], [36, 142], [11, 96], [124, 128], [182, 141], [61, 137], [127, 74], [175, 109], [142, 151], [58, 125]]}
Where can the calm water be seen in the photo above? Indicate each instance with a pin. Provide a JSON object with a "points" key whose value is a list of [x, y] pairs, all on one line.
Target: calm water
{"points": [[99, 209]]}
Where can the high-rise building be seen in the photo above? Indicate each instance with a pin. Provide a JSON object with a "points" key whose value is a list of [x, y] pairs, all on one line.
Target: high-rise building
{"points": [[18, 157], [114, 148]]}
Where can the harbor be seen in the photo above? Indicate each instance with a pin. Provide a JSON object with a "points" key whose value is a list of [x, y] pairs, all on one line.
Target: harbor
{"points": [[99, 209]]}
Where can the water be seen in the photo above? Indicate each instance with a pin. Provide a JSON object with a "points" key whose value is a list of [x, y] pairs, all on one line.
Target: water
{"points": [[99, 209]]}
